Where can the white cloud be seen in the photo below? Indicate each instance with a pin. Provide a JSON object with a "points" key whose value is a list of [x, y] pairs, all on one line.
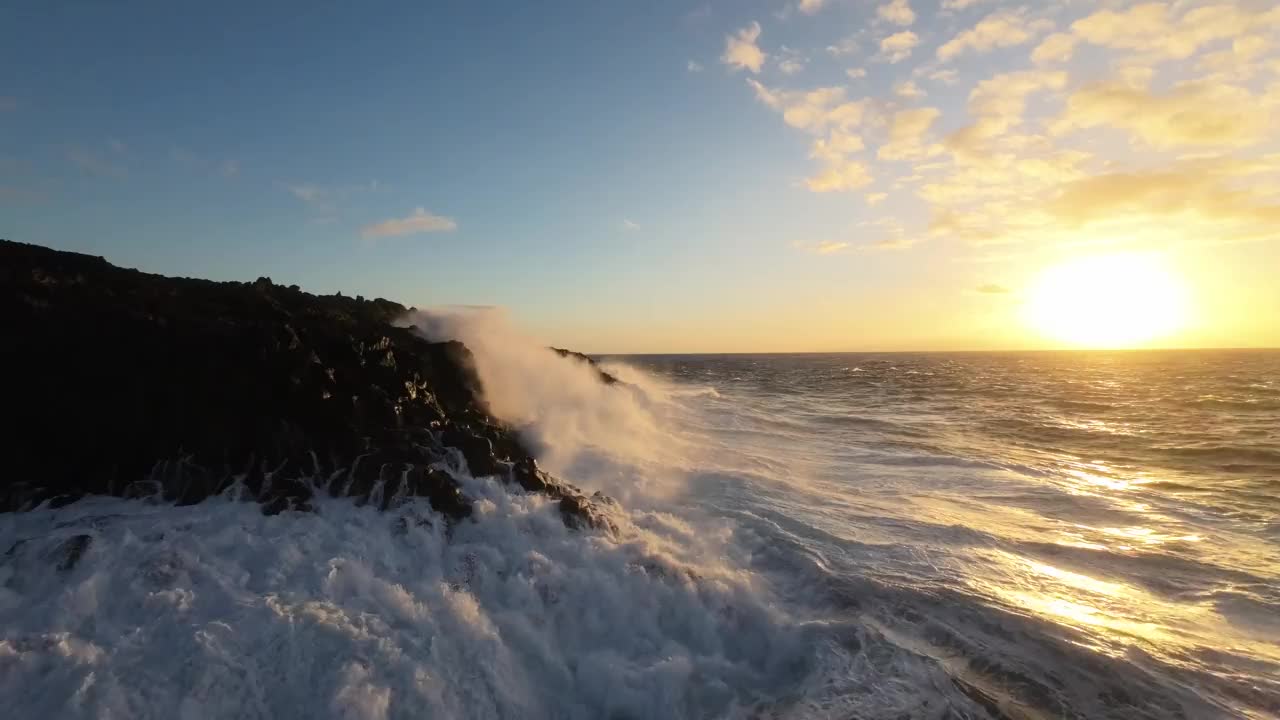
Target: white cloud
{"points": [[874, 199], [1004, 28], [1240, 61], [321, 198], [825, 247], [908, 91], [195, 162], [790, 61], [907, 131], [694, 66], [845, 175], [813, 110], [1189, 114], [1151, 29], [998, 104], [809, 7], [856, 73], [959, 4], [835, 147], [846, 46], [310, 194], [898, 47], [790, 66], [897, 12], [946, 76], [895, 241], [742, 52], [630, 225], [1056, 48], [420, 221]]}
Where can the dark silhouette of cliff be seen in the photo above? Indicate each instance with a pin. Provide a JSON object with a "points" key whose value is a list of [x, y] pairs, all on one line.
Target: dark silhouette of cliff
{"points": [[126, 383]]}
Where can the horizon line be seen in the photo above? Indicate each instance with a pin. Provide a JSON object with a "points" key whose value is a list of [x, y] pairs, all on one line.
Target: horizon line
{"points": [[942, 352]]}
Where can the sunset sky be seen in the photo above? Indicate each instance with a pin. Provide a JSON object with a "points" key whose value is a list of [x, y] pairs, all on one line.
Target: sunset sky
{"points": [[664, 176]]}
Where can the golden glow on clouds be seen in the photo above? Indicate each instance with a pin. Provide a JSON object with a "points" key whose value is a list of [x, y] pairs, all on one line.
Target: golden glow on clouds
{"points": [[1107, 301], [741, 50], [898, 47], [1083, 132], [1000, 29]]}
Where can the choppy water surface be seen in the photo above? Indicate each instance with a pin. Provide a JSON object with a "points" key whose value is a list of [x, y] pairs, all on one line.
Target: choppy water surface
{"points": [[831, 536], [1093, 534]]}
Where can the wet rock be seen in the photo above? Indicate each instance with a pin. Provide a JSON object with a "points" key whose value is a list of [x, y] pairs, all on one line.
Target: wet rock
{"points": [[578, 512], [441, 490], [527, 475], [477, 450], [576, 509], [68, 553]]}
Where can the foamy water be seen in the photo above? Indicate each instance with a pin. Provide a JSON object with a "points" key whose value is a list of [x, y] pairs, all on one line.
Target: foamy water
{"points": [[825, 537]]}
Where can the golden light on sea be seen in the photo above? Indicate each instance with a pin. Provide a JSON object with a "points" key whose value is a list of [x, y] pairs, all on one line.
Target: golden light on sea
{"points": [[1117, 300]]}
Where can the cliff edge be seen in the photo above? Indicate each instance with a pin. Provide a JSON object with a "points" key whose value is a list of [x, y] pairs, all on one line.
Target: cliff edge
{"points": [[131, 384]]}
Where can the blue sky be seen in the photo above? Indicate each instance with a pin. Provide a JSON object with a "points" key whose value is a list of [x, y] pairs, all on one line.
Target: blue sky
{"points": [[622, 176]]}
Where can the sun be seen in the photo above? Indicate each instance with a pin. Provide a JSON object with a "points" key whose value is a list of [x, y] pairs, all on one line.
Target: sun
{"points": [[1107, 301]]}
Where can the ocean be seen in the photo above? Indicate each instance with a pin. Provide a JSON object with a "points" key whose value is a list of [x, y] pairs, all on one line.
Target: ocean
{"points": [[967, 535]]}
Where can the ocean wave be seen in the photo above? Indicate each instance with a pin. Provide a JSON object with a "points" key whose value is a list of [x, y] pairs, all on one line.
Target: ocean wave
{"points": [[215, 610]]}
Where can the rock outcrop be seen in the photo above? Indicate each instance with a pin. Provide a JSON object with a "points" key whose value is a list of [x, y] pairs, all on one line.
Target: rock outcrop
{"points": [[605, 377], [126, 383]]}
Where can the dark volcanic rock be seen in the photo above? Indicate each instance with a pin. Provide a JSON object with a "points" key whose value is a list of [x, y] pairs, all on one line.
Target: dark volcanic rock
{"points": [[174, 389], [604, 376], [577, 509], [477, 450]]}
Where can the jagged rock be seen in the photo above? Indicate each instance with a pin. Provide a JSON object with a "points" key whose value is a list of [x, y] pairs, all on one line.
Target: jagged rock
{"points": [[477, 450], [605, 377], [529, 476], [576, 508], [175, 389], [441, 490]]}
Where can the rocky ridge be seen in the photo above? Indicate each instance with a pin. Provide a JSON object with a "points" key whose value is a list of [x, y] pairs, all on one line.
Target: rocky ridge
{"points": [[175, 389]]}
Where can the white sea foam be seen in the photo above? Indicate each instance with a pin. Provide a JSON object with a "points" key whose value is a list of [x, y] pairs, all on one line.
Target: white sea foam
{"points": [[621, 439], [217, 611]]}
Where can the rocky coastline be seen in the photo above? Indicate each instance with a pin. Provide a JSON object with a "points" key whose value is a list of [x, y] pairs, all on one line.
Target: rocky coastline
{"points": [[176, 390]]}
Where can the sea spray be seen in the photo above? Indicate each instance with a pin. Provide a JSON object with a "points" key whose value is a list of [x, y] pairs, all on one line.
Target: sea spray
{"points": [[622, 439], [214, 610]]}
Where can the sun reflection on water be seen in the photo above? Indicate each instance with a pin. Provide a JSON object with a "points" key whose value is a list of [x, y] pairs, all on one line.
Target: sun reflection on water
{"points": [[1113, 613]]}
